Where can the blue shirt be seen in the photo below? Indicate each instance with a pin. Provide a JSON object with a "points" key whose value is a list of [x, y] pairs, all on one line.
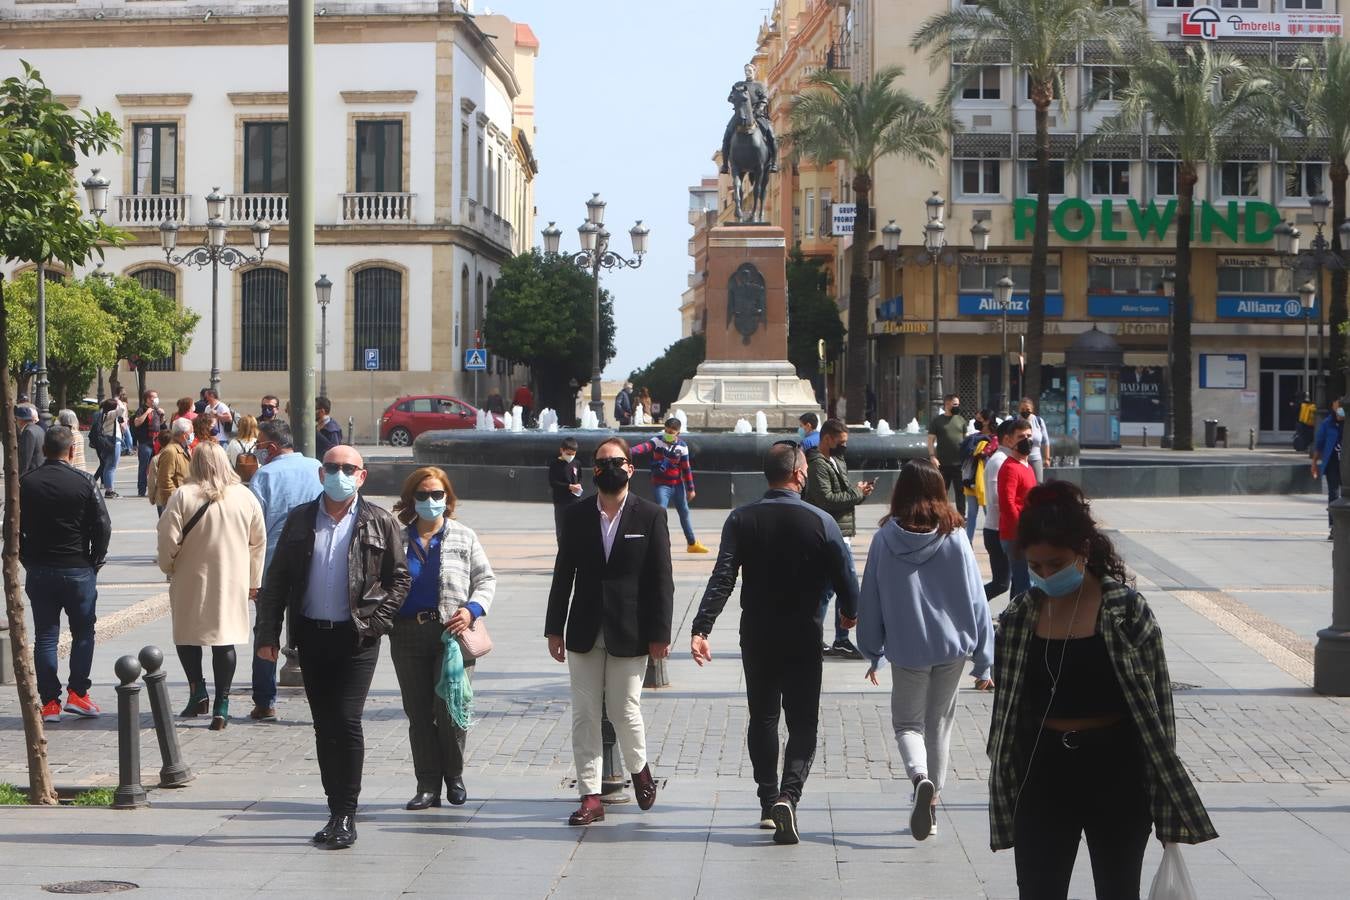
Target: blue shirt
{"points": [[811, 441], [287, 481], [326, 594], [425, 593]]}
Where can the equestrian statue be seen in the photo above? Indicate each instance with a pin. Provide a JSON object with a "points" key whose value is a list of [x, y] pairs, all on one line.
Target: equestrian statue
{"points": [[749, 148]]}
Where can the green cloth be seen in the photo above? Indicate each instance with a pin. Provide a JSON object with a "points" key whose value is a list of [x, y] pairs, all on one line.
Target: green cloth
{"points": [[950, 431], [453, 686]]}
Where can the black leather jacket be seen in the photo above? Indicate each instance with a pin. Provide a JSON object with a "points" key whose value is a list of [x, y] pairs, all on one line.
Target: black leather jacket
{"points": [[379, 579]]}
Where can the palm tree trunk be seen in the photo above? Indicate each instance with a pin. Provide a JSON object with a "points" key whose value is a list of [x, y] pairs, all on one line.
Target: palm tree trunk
{"points": [[1183, 429], [1040, 246], [1336, 384], [40, 790], [856, 371]]}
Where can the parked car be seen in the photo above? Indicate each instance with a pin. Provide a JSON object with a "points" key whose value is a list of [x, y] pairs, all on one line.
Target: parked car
{"points": [[407, 417]]}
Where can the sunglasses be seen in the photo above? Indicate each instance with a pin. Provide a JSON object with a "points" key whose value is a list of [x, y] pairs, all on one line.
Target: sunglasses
{"points": [[428, 495], [345, 468], [611, 462], [269, 406]]}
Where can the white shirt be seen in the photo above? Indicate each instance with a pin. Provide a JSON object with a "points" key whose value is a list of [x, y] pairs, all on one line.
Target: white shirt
{"points": [[609, 528], [326, 594], [991, 467]]}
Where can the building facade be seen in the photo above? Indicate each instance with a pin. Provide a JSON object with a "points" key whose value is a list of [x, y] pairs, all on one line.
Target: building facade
{"points": [[1111, 238], [424, 175]]}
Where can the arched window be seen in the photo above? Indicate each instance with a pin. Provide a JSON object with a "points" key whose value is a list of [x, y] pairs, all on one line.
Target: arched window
{"points": [[166, 282], [465, 336], [479, 306], [262, 320], [377, 317]]}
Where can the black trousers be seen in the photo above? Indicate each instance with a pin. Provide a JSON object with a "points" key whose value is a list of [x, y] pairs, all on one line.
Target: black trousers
{"points": [[337, 675], [1097, 790], [437, 742], [1000, 573], [951, 477], [782, 674]]}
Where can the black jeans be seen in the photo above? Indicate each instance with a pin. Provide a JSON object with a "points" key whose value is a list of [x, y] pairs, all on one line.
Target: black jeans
{"points": [[1000, 573], [337, 675], [951, 477], [1097, 789], [1333, 474], [782, 673]]}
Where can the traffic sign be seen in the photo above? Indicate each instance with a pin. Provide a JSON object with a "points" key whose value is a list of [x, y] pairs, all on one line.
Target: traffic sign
{"points": [[372, 359], [475, 360]]}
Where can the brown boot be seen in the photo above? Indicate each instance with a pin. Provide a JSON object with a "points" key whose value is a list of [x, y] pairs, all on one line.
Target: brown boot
{"points": [[591, 810], [644, 787]]}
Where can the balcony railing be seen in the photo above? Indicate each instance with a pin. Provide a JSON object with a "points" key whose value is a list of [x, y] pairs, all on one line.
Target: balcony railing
{"points": [[376, 208], [151, 209], [243, 209], [486, 222]]}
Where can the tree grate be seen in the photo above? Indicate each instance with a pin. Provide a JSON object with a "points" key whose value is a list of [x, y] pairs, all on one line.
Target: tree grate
{"points": [[90, 887]]}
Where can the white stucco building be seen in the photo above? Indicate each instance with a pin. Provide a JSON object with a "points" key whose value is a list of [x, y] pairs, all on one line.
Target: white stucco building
{"points": [[423, 166]]}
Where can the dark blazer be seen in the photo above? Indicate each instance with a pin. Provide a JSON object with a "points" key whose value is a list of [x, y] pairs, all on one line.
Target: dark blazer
{"points": [[632, 595]]}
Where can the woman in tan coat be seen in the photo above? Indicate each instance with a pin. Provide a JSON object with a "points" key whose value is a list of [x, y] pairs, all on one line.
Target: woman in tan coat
{"points": [[212, 541]]}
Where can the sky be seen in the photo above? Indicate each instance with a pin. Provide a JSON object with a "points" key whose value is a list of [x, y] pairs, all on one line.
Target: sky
{"points": [[630, 101]]}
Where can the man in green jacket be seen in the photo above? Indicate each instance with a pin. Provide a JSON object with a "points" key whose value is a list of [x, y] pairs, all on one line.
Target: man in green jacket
{"points": [[828, 487]]}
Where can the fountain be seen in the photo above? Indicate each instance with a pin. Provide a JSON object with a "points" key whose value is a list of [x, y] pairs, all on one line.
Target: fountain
{"points": [[912, 427], [761, 423], [742, 427], [884, 428], [516, 422]]}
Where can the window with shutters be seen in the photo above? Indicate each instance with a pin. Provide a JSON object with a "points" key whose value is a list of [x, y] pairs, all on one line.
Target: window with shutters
{"points": [[166, 282], [262, 320], [377, 317]]}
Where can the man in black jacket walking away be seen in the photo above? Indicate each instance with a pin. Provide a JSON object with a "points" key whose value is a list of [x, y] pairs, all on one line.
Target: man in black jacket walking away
{"points": [[339, 572], [789, 552], [613, 597], [63, 538]]}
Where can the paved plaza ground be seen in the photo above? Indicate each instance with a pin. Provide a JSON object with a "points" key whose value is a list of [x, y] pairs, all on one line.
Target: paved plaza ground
{"points": [[1240, 584]]}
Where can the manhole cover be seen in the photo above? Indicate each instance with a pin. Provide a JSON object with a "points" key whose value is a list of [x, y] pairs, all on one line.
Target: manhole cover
{"points": [[89, 887]]}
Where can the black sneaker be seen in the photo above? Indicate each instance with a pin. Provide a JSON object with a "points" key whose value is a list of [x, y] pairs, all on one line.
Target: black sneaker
{"points": [[784, 815], [845, 649], [921, 818], [766, 815], [111, 495], [826, 650]]}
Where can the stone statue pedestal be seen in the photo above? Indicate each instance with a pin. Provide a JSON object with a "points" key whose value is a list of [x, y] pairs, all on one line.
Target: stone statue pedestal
{"points": [[746, 370]]}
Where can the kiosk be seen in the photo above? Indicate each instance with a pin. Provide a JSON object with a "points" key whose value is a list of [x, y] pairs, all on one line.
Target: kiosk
{"points": [[1092, 365]]}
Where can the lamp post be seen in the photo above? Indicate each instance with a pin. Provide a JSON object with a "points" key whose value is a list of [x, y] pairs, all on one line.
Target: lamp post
{"points": [[1307, 296], [323, 290], [1169, 290], [1003, 289], [595, 255], [214, 252], [105, 277], [1314, 259]]}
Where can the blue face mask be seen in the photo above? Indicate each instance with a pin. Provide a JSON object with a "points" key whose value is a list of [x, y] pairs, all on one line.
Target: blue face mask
{"points": [[801, 433], [1340, 412], [429, 509], [1064, 582], [339, 486]]}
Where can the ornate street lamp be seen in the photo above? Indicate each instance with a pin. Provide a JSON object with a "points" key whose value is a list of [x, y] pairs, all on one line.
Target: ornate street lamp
{"points": [[595, 254], [1003, 290], [1313, 261], [1307, 296], [323, 292], [213, 251], [1169, 290], [890, 237]]}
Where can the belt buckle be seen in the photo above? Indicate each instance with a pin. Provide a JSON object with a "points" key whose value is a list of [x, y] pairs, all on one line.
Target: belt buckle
{"points": [[1064, 739], [323, 624], [428, 615]]}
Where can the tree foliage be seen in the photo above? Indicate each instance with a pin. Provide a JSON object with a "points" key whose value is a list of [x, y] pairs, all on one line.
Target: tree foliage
{"points": [[81, 334], [541, 313], [151, 325], [812, 315], [858, 123], [665, 375]]}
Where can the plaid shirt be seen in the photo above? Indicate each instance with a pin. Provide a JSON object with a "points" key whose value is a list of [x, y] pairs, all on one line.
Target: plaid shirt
{"points": [[1134, 644]]}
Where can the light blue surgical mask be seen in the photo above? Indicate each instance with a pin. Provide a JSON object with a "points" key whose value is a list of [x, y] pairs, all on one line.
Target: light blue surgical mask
{"points": [[1064, 582], [339, 486], [801, 433], [430, 510], [1340, 412]]}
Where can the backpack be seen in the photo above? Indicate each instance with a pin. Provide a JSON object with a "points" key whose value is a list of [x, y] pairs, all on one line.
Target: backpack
{"points": [[969, 461], [98, 439], [246, 463]]}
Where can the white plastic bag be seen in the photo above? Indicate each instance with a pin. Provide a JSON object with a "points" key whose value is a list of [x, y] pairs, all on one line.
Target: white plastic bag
{"points": [[1173, 881]]}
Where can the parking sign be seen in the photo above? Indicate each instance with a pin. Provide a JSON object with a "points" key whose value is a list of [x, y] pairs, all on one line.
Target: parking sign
{"points": [[372, 359]]}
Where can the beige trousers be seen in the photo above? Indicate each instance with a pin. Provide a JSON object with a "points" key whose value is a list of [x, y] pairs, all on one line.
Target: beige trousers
{"points": [[614, 684]]}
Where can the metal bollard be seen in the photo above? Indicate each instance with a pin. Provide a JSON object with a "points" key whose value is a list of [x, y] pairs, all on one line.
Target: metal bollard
{"points": [[1251, 438], [612, 777], [657, 676], [1146, 436], [174, 773], [129, 793], [351, 429]]}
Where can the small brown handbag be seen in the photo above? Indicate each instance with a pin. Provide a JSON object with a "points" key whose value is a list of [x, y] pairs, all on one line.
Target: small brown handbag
{"points": [[475, 641]]}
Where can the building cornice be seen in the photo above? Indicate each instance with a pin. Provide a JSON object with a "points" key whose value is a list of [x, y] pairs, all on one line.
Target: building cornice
{"points": [[150, 32], [378, 97], [258, 98], [140, 101]]}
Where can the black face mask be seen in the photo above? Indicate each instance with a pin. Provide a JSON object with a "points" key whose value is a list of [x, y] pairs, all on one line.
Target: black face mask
{"points": [[839, 451], [1025, 413], [267, 413], [1023, 446], [610, 477]]}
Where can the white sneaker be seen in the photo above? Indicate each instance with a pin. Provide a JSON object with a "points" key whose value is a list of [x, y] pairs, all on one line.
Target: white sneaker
{"points": [[921, 817]]}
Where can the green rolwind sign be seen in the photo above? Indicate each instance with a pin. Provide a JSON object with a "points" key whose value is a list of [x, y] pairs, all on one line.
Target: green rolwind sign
{"points": [[1075, 219]]}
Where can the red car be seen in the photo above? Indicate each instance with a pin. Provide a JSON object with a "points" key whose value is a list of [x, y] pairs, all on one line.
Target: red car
{"points": [[407, 417]]}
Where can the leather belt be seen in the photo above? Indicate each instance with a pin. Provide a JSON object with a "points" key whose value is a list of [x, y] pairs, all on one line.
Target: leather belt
{"points": [[327, 624], [428, 615]]}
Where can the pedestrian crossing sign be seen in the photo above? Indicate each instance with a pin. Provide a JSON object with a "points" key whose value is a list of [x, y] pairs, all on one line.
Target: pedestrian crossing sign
{"points": [[475, 360]]}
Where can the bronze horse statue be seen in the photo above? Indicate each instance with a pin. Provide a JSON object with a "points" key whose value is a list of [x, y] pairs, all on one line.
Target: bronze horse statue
{"points": [[750, 158]]}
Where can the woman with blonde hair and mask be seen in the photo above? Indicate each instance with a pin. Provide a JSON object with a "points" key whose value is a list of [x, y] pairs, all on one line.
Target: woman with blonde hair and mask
{"points": [[212, 541], [452, 587]]}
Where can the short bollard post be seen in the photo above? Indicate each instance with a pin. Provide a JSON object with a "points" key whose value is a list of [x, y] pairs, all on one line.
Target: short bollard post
{"points": [[1251, 438], [129, 793], [174, 773], [1145, 436], [612, 779]]}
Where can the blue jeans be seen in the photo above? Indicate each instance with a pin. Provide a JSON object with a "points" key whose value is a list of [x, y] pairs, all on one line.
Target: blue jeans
{"points": [[108, 465], [664, 494], [840, 632], [145, 451], [52, 591], [972, 513], [264, 682], [1017, 566]]}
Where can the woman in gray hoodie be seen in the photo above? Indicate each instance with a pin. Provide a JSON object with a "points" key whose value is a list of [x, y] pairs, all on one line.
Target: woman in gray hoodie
{"points": [[923, 609]]}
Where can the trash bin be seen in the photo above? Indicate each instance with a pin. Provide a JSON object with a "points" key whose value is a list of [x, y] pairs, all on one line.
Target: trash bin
{"points": [[1221, 435], [1211, 432]]}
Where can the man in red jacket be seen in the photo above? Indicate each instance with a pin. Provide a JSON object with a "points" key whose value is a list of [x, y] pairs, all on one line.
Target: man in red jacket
{"points": [[1016, 478]]}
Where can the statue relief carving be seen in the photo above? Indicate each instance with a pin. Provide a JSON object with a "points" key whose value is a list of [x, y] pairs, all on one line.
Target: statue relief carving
{"points": [[746, 305]]}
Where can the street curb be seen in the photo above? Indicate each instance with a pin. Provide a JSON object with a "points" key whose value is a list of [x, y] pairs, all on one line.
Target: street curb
{"points": [[122, 621]]}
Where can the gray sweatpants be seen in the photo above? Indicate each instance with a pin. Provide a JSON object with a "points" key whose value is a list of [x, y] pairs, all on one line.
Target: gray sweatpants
{"points": [[923, 708]]}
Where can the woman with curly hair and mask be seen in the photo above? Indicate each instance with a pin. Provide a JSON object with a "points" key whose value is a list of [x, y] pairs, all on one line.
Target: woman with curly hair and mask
{"points": [[1083, 740]]}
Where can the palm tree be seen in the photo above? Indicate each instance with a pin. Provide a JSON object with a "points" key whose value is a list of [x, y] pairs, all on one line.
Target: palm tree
{"points": [[1314, 102], [1041, 36], [1205, 100], [835, 119]]}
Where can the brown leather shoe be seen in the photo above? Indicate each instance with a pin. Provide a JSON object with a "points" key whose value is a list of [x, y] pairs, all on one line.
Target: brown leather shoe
{"points": [[263, 713], [644, 787], [591, 810]]}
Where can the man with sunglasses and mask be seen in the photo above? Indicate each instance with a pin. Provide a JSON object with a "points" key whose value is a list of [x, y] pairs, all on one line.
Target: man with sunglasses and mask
{"points": [[790, 553], [340, 575], [609, 609]]}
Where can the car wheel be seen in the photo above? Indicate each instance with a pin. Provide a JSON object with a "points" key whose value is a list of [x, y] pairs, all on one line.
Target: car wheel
{"points": [[400, 437]]}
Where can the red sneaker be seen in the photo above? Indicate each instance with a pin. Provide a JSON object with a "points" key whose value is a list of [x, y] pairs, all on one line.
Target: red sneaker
{"points": [[81, 705], [51, 711]]}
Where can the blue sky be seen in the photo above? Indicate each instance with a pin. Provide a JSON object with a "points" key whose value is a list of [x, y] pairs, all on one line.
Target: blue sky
{"points": [[631, 102]]}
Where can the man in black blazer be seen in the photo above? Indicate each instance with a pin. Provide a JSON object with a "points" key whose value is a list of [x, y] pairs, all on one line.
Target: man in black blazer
{"points": [[613, 596]]}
